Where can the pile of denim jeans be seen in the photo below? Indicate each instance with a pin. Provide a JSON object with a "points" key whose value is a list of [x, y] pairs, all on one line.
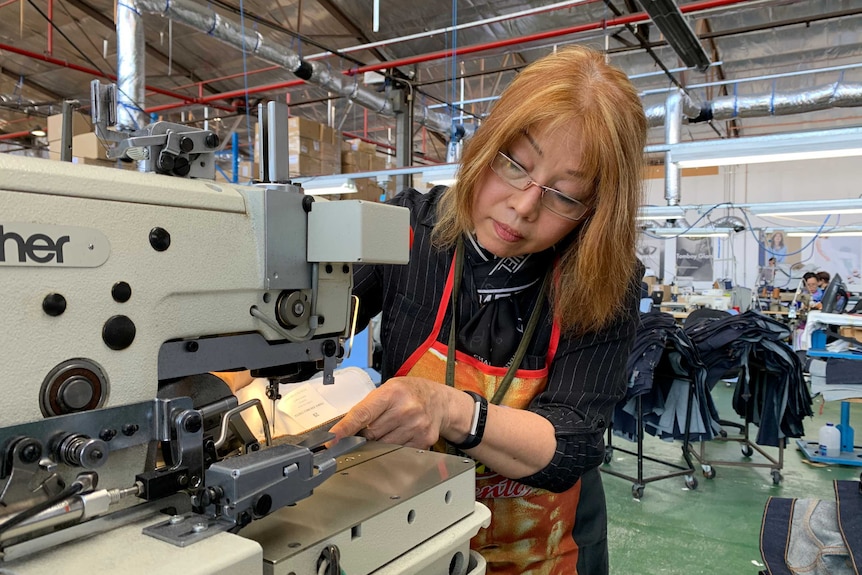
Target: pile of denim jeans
{"points": [[663, 368], [770, 391]]}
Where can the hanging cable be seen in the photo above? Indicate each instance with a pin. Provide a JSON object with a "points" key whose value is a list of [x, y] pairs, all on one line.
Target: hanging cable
{"points": [[248, 135]]}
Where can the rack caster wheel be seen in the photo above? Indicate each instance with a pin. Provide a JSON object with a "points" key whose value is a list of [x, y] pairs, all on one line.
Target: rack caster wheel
{"points": [[609, 454], [776, 477], [722, 433], [691, 481], [708, 471], [637, 490], [747, 450]]}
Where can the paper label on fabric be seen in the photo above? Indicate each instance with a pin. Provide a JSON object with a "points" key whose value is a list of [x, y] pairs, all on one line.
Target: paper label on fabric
{"points": [[307, 407]]}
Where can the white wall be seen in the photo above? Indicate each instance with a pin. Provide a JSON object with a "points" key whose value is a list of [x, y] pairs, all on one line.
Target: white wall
{"points": [[737, 257]]}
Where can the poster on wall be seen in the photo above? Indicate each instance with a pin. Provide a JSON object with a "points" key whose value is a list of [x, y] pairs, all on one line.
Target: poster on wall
{"points": [[651, 253], [840, 255], [694, 259], [784, 260]]}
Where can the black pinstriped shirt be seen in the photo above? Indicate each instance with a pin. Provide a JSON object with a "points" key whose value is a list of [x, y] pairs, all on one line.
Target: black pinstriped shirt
{"points": [[585, 380]]}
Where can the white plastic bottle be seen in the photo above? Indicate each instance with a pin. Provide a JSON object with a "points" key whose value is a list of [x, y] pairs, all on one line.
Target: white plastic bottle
{"points": [[829, 440]]}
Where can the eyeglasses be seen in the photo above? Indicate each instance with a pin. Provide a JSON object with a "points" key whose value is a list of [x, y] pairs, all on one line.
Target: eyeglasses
{"points": [[513, 174]]}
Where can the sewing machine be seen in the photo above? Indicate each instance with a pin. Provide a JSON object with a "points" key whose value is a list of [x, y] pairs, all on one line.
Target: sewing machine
{"points": [[117, 287]]}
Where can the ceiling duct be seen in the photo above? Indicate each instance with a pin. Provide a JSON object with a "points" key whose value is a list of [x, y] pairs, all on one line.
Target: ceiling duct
{"points": [[130, 54], [675, 28], [835, 95]]}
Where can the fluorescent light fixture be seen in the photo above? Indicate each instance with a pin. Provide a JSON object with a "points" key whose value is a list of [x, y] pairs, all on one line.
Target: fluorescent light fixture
{"points": [[692, 233], [673, 25], [842, 142], [440, 175], [347, 187], [807, 208], [660, 213], [822, 234]]}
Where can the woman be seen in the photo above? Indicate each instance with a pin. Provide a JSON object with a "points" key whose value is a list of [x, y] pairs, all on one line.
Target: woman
{"points": [[533, 249]]}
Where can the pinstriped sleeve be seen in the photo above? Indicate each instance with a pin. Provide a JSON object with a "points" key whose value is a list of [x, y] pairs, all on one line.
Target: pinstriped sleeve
{"points": [[585, 382]]}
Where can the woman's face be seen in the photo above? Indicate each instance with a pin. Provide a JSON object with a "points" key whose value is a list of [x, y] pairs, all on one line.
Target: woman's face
{"points": [[513, 222]]}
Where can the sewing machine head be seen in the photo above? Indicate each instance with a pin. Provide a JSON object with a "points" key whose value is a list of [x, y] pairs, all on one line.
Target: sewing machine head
{"points": [[116, 283]]}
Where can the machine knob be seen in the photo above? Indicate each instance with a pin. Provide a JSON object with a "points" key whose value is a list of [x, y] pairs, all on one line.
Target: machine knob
{"points": [[81, 451], [75, 394], [292, 309]]}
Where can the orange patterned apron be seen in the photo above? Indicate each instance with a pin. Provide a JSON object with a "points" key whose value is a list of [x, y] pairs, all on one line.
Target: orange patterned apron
{"points": [[531, 529]]}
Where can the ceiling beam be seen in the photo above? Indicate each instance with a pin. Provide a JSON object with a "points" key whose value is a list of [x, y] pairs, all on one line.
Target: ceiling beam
{"points": [[31, 84]]}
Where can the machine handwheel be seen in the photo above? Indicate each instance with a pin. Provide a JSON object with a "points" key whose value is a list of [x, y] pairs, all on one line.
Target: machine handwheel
{"points": [[776, 477], [691, 481], [637, 490], [747, 450]]}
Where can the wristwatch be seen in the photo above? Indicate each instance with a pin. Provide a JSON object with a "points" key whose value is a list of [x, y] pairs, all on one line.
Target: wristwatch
{"points": [[477, 425]]}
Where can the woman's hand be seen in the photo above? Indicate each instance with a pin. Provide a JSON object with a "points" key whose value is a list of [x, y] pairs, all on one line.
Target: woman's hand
{"points": [[235, 380], [416, 412], [408, 411]]}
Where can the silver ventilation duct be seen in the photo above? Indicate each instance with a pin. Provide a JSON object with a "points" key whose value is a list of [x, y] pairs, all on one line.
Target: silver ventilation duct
{"points": [[836, 95], [131, 75]]}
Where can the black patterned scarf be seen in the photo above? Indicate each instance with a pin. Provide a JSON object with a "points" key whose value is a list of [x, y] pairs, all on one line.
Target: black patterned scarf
{"points": [[497, 297]]}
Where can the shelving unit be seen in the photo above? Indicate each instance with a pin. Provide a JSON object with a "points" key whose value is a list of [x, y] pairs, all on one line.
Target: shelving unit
{"points": [[850, 454]]}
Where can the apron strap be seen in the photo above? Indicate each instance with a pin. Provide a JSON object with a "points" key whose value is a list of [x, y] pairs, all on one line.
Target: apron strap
{"points": [[529, 329]]}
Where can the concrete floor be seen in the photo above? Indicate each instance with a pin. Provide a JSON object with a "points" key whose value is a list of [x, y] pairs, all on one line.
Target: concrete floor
{"points": [[715, 528]]}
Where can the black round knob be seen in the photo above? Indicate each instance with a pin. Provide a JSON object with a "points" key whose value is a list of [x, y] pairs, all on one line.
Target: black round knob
{"points": [[165, 162], [329, 348], [193, 423], [211, 140], [30, 452], [160, 239], [54, 304], [121, 292], [118, 332], [187, 144], [182, 167]]}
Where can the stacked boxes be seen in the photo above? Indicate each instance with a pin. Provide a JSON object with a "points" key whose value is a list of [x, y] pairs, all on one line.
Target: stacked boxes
{"points": [[360, 156], [313, 149], [86, 147]]}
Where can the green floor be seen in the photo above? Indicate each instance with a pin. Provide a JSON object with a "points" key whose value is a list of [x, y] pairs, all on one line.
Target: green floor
{"points": [[714, 528]]}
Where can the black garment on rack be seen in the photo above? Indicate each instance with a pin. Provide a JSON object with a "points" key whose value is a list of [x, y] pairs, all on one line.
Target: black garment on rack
{"points": [[770, 391], [660, 369]]}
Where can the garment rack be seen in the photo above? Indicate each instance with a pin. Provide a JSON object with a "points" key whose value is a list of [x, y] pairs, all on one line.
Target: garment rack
{"points": [[639, 482]]}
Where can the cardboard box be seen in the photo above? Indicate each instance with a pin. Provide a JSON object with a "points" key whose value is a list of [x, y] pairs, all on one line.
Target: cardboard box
{"points": [[851, 332], [304, 128], [80, 125], [89, 146], [357, 145], [304, 165]]}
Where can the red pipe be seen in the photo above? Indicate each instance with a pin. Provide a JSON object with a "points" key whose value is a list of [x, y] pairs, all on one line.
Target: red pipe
{"points": [[62, 63], [229, 77], [14, 135], [226, 95]]}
